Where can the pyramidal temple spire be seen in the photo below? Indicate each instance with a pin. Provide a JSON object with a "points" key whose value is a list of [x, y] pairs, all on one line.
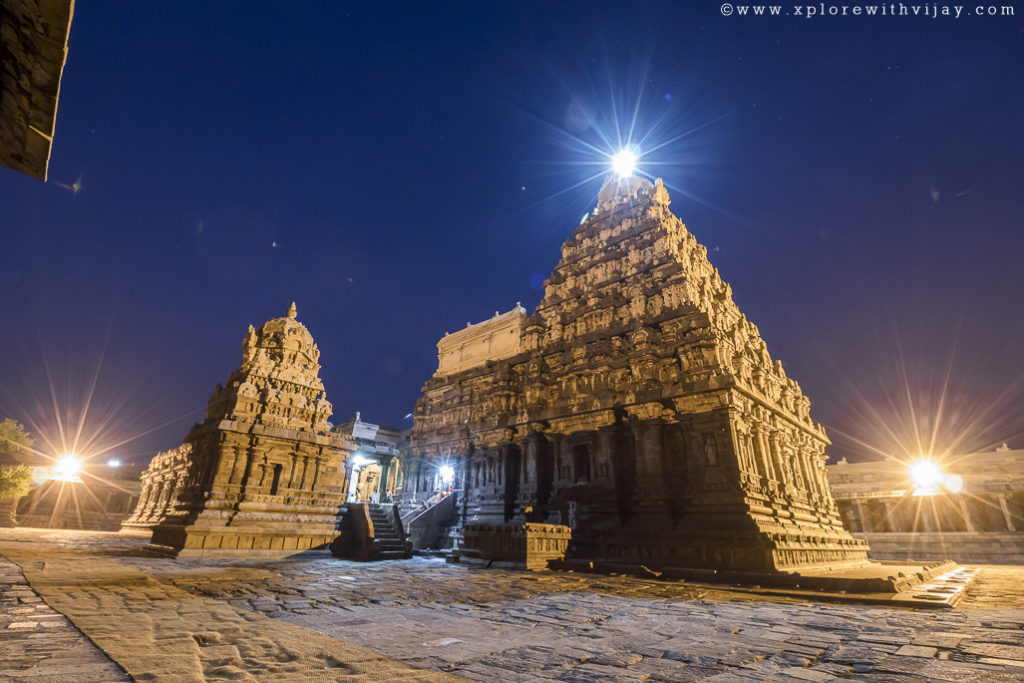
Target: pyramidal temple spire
{"points": [[291, 311]]}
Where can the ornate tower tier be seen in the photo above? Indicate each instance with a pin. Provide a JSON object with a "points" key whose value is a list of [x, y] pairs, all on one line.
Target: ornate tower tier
{"points": [[639, 407], [263, 474]]}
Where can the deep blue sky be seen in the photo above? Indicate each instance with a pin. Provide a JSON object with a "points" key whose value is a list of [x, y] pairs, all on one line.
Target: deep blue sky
{"points": [[858, 182]]}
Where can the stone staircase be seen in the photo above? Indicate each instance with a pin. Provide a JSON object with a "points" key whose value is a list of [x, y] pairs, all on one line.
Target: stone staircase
{"points": [[388, 542]]}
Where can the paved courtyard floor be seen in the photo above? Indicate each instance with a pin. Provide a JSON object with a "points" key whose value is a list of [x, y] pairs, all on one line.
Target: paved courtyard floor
{"points": [[92, 607]]}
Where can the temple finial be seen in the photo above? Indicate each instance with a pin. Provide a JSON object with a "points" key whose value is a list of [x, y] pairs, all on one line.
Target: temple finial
{"points": [[291, 311]]}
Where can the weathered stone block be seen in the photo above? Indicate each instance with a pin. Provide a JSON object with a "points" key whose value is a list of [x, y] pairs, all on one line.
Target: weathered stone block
{"points": [[527, 545]]}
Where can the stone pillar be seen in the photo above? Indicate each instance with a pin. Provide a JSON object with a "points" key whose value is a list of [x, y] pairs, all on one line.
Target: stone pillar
{"points": [[316, 472], [382, 485], [291, 473], [1006, 513], [761, 452], [863, 518], [648, 436], [778, 462]]}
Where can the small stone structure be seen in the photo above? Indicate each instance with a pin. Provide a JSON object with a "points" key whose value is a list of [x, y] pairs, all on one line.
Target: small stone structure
{"points": [[983, 522], [637, 406], [161, 484], [264, 472], [33, 48], [524, 546], [103, 498]]}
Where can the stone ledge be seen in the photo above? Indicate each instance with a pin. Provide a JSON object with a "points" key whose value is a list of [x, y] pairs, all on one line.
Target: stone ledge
{"points": [[838, 580]]}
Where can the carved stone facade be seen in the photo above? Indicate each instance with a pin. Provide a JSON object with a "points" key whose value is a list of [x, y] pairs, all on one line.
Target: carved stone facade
{"points": [[161, 486], [642, 410], [33, 48], [264, 474]]}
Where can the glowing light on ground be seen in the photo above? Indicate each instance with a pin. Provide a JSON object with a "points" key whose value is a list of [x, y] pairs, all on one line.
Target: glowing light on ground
{"points": [[67, 468], [926, 475], [624, 163]]}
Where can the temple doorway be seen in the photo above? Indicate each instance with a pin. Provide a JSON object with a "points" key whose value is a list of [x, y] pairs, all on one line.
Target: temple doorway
{"points": [[365, 484]]}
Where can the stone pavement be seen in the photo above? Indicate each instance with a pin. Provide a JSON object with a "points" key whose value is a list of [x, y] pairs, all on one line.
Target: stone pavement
{"points": [[487, 624], [38, 644]]}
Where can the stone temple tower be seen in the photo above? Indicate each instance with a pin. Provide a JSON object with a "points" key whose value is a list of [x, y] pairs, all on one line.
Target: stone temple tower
{"points": [[638, 406], [264, 473]]}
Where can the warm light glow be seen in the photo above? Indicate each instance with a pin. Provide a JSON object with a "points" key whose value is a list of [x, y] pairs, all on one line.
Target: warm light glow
{"points": [[40, 475], [66, 468], [624, 163], [447, 474], [926, 475], [954, 483]]}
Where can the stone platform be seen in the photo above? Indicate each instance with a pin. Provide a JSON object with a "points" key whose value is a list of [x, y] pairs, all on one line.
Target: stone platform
{"points": [[96, 599]]}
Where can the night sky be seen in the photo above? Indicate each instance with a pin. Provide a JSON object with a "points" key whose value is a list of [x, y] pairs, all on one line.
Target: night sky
{"points": [[400, 169]]}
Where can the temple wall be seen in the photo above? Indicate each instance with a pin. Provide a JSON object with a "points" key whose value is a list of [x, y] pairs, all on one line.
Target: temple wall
{"points": [[33, 49], [499, 337]]}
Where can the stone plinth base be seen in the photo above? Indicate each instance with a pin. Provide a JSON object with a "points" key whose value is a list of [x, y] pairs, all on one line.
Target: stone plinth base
{"points": [[721, 539], [198, 542], [523, 546], [865, 578]]}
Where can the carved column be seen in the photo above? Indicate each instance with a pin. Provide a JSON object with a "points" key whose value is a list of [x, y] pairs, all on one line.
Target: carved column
{"points": [[810, 476], [291, 473], [775, 449], [237, 464], [762, 453]]}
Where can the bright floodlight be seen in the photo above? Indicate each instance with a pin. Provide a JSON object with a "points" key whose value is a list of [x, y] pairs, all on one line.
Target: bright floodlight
{"points": [[66, 468], [113, 463], [447, 474], [624, 163], [926, 475]]}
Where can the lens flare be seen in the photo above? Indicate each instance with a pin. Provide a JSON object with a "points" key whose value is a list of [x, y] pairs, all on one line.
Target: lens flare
{"points": [[67, 468], [447, 473]]}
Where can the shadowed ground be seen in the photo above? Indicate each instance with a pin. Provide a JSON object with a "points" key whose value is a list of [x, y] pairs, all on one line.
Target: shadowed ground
{"points": [[318, 618]]}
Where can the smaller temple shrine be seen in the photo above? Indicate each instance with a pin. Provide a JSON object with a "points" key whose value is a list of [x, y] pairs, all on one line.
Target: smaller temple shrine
{"points": [[263, 473]]}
